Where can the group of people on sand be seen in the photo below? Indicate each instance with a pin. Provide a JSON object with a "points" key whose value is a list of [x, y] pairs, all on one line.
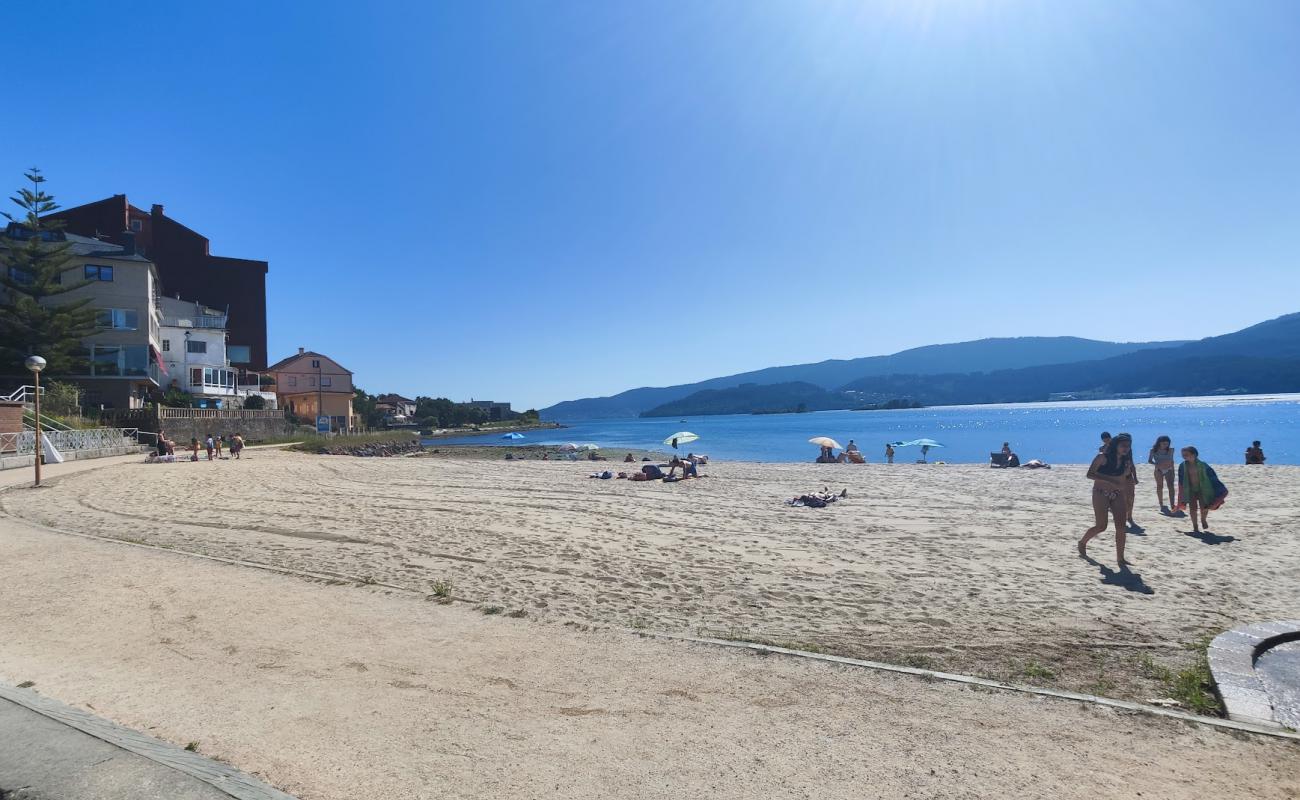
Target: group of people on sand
{"points": [[166, 448], [851, 455], [1114, 487], [689, 465]]}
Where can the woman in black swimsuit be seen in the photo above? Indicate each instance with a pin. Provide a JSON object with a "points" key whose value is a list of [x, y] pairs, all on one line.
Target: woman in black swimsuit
{"points": [[1109, 473]]}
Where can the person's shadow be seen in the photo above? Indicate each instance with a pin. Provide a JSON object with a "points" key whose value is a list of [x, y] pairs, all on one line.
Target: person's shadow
{"points": [[1210, 538], [1124, 577]]}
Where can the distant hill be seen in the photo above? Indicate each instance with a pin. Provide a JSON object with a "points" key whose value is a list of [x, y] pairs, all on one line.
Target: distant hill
{"points": [[962, 357], [1260, 359], [751, 398]]}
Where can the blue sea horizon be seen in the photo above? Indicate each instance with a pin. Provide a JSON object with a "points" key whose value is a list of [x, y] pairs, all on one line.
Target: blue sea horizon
{"points": [[1221, 427]]}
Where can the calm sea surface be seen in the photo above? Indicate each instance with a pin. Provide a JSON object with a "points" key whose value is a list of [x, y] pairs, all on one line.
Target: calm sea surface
{"points": [[1062, 433]]}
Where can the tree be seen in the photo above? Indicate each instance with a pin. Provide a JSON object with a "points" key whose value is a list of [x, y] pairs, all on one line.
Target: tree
{"points": [[176, 397], [254, 402], [34, 255], [363, 405]]}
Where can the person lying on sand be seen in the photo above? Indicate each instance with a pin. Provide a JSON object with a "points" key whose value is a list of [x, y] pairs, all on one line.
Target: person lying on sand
{"points": [[629, 459], [817, 499]]}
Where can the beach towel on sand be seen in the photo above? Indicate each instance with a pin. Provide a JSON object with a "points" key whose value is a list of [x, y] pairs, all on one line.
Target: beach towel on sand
{"points": [[1210, 493]]}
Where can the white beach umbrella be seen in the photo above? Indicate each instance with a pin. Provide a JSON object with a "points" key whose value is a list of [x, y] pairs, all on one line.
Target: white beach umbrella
{"points": [[681, 437], [568, 447], [825, 441], [588, 446]]}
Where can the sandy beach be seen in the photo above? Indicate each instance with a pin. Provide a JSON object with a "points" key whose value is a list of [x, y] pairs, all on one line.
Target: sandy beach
{"points": [[323, 687], [959, 567]]}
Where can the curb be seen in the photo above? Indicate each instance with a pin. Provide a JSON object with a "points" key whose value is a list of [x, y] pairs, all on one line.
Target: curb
{"points": [[1244, 726]]}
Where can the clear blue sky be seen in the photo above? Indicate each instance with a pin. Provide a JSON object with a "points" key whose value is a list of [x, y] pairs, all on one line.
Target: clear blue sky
{"points": [[533, 201]]}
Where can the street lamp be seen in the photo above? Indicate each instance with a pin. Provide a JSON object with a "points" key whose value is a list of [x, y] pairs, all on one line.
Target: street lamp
{"points": [[36, 364]]}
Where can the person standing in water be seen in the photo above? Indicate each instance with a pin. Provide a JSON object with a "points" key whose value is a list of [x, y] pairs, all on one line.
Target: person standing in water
{"points": [[1109, 475], [889, 453], [1105, 441], [1162, 456], [1199, 489]]}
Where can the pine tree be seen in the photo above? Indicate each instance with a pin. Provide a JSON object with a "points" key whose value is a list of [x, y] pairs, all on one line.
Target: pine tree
{"points": [[34, 257]]}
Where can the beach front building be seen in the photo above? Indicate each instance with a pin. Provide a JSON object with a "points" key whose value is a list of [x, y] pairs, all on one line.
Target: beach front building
{"points": [[185, 267], [495, 411], [196, 357], [122, 369], [310, 385], [396, 409]]}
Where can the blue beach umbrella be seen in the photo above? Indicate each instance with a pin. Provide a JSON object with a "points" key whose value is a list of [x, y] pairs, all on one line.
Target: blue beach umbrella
{"points": [[513, 436], [924, 444]]}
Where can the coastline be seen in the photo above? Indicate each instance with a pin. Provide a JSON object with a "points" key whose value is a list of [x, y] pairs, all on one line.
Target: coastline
{"points": [[453, 433]]}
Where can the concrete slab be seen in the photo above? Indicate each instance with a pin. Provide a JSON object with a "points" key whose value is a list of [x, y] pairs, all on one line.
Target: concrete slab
{"points": [[41, 759]]}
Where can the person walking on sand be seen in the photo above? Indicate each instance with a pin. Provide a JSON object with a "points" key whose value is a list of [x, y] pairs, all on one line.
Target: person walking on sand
{"points": [[1162, 456], [1254, 453], [889, 453], [1109, 475], [194, 448], [210, 445], [236, 445], [1130, 493], [1199, 489], [221, 442]]}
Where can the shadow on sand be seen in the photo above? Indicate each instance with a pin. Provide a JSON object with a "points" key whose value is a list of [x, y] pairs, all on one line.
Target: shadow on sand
{"points": [[1124, 577], [1210, 538]]}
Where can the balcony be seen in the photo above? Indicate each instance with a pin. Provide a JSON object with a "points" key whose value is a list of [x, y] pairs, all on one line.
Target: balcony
{"points": [[217, 321]]}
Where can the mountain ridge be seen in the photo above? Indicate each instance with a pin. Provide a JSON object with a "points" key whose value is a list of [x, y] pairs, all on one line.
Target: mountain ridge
{"points": [[979, 355]]}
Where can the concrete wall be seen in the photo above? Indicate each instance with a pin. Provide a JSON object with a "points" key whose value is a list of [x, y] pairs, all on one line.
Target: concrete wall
{"points": [[11, 421], [254, 426]]}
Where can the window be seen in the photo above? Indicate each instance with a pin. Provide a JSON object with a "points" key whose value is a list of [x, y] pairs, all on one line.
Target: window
{"points": [[239, 353], [167, 345], [311, 381], [104, 360], [113, 361], [326, 380], [196, 376], [293, 380], [98, 273], [195, 346], [21, 276], [136, 225], [120, 319]]}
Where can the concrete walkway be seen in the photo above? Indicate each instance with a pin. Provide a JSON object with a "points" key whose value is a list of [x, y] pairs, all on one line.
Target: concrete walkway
{"points": [[45, 757]]}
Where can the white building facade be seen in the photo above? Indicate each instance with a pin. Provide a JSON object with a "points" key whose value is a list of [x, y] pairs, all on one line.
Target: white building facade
{"points": [[194, 353]]}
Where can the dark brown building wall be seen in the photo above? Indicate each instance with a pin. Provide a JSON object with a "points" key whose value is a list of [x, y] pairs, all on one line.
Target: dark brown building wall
{"points": [[185, 265]]}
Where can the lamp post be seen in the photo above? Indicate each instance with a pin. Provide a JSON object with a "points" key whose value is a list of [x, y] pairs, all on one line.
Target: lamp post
{"points": [[36, 364]]}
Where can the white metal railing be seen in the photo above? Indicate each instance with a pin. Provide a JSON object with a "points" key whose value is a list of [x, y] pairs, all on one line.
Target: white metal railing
{"points": [[195, 321], [219, 413], [24, 442], [23, 394]]}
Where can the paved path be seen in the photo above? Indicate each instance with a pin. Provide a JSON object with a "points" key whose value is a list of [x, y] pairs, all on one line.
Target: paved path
{"points": [[44, 758]]}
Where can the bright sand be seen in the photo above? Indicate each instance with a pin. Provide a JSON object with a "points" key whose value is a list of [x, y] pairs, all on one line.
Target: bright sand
{"points": [[345, 691]]}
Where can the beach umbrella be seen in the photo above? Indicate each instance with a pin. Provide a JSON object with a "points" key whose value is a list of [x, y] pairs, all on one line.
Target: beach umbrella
{"points": [[924, 444], [825, 441], [513, 436], [568, 447], [588, 446], [681, 437]]}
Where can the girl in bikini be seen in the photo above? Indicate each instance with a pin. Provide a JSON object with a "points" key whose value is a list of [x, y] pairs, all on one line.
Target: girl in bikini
{"points": [[1109, 474], [1162, 456]]}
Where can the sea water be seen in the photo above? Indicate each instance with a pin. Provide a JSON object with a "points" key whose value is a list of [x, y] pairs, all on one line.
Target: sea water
{"points": [[1220, 427]]}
